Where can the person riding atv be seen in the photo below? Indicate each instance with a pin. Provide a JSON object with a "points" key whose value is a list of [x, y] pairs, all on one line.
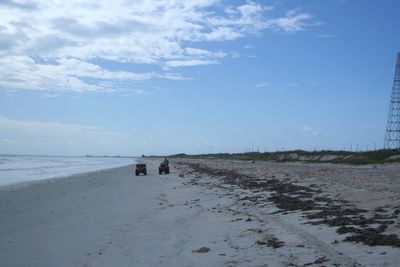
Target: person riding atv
{"points": [[164, 168]]}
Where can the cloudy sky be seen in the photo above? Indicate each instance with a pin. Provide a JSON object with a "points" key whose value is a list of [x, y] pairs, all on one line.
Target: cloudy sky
{"points": [[195, 76]]}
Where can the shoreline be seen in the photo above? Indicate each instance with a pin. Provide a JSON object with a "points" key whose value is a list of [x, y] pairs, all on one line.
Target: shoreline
{"points": [[114, 218], [60, 171], [23, 185], [16, 185]]}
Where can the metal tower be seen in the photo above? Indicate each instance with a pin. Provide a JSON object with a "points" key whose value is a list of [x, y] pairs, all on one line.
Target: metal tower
{"points": [[392, 138]]}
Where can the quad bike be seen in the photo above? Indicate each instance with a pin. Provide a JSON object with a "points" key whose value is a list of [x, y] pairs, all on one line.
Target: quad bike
{"points": [[164, 168], [141, 168]]}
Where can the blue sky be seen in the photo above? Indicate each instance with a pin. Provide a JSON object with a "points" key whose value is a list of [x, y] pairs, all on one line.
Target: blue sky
{"points": [[195, 76]]}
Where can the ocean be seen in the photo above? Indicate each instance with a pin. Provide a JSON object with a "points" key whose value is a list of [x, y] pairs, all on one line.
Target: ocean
{"points": [[14, 169]]}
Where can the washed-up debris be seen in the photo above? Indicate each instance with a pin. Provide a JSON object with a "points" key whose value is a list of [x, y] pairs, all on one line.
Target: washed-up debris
{"points": [[201, 250], [291, 197], [270, 241], [317, 261]]}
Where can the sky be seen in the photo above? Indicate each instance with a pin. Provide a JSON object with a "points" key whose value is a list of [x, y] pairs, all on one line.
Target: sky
{"points": [[159, 77]]}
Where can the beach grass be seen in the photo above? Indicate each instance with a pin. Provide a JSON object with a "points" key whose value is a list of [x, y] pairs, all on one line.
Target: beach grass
{"points": [[327, 156]]}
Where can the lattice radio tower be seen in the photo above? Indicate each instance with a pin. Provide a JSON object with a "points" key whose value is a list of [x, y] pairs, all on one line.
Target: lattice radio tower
{"points": [[392, 138]]}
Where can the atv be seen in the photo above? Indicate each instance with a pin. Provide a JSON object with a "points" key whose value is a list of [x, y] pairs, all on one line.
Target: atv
{"points": [[164, 168], [141, 168]]}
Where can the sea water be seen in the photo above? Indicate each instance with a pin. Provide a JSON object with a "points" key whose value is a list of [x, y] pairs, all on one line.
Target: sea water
{"points": [[15, 169]]}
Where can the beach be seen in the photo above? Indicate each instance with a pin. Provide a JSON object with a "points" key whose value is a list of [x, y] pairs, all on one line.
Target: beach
{"points": [[220, 213], [109, 218]]}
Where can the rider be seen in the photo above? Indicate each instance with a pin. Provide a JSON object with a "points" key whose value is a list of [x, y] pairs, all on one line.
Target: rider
{"points": [[166, 161]]}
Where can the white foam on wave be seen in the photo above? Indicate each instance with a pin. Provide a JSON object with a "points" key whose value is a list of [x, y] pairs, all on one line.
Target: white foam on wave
{"points": [[15, 169]]}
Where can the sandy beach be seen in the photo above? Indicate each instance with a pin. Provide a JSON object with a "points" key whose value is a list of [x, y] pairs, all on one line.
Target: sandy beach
{"points": [[221, 213]]}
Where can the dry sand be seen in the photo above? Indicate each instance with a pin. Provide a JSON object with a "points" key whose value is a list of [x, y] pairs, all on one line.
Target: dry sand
{"points": [[221, 213]]}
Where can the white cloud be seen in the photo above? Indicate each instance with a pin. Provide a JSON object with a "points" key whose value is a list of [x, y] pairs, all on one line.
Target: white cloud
{"points": [[60, 138], [309, 131], [136, 92], [175, 76], [293, 84], [47, 95], [53, 45], [235, 55], [188, 63], [222, 34], [7, 141], [294, 21], [197, 52], [261, 85], [50, 128], [26, 136], [22, 72], [327, 36]]}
